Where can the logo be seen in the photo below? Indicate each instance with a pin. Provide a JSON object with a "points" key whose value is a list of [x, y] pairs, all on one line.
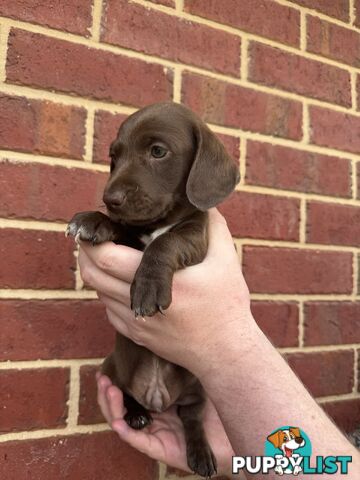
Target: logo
{"points": [[288, 452]]}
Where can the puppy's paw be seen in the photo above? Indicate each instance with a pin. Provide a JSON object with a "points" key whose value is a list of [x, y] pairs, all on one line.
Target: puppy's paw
{"points": [[201, 460], [94, 227], [149, 295], [138, 420]]}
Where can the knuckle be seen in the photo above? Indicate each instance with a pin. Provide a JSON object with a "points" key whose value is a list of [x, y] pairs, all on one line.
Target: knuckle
{"points": [[86, 274]]}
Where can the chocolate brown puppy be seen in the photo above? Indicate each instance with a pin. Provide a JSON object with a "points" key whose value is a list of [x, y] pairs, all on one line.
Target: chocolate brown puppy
{"points": [[167, 169]]}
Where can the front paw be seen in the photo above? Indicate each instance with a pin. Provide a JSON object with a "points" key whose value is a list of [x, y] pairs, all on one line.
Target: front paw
{"points": [[201, 460], [94, 227], [149, 295]]}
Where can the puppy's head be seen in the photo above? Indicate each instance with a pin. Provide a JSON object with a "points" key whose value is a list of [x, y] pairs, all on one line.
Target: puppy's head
{"points": [[164, 155], [287, 440]]}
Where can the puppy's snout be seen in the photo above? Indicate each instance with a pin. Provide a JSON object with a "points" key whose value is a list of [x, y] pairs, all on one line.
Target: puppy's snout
{"points": [[114, 199], [299, 440]]}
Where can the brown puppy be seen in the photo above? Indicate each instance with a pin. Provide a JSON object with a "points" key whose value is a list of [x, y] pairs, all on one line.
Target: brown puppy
{"points": [[167, 169]]}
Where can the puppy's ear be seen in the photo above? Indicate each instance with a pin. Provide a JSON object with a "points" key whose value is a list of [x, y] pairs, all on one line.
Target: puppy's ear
{"points": [[295, 431], [275, 438], [214, 173]]}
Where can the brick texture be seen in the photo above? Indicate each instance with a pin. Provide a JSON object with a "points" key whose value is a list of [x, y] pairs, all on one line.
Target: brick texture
{"points": [[262, 216], [33, 399], [333, 224], [39, 187], [336, 8], [271, 20], [36, 259], [287, 109], [41, 127], [234, 106], [334, 129], [279, 321], [288, 270], [100, 455], [294, 73], [333, 41], [50, 329], [332, 323], [326, 373], [302, 171], [73, 17], [144, 30], [89, 72]]}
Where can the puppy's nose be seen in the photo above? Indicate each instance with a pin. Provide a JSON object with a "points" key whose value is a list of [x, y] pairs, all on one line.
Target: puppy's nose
{"points": [[299, 440], [114, 200]]}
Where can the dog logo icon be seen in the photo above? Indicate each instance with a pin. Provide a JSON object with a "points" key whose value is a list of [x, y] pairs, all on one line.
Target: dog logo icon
{"points": [[286, 441]]}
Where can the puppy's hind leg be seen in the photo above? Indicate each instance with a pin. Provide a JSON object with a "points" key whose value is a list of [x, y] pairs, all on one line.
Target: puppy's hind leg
{"points": [[200, 457]]}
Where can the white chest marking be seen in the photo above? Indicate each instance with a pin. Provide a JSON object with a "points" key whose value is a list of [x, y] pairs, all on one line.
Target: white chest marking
{"points": [[147, 239]]}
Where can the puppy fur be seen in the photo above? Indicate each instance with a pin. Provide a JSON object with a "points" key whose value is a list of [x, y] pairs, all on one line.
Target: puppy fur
{"points": [[167, 169]]}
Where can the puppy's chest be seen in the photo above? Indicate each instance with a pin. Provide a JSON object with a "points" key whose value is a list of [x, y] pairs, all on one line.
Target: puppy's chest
{"points": [[147, 238]]}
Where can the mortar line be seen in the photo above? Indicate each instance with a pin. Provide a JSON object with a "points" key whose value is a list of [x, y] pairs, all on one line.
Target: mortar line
{"points": [[74, 396], [89, 134], [303, 31], [179, 6], [353, 77], [96, 20], [53, 363], [352, 10], [30, 294], [244, 59], [245, 241], [338, 398], [177, 84], [305, 123], [301, 332], [47, 433], [242, 161], [32, 225], [4, 35], [318, 348]]}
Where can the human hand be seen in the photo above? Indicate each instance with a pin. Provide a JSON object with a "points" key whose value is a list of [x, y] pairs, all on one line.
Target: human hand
{"points": [[164, 439], [210, 300]]}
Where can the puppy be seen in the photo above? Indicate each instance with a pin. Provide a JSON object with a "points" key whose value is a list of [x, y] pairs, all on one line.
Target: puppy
{"points": [[167, 168]]}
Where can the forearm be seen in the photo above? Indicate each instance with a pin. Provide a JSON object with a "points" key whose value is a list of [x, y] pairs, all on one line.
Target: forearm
{"points": [[255, 392]]}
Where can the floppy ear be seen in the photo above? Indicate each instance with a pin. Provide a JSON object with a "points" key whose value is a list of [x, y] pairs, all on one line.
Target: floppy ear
{"points": [[295, 431], [275, 438], [213, 174]]}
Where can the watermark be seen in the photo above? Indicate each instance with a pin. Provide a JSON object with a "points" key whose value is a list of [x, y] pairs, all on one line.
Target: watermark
{"points": [[288, 452]]}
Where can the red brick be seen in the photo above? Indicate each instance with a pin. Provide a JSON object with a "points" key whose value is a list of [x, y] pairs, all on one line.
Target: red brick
{"points": [[231, 144], [41, 127], [332, 323], [73, 17], [324, 373], [333, 41], [333, 224], [289, 270], [105, 130], [142, 29], [291, 169], [89, 411], [334, 8], [235, 106], [357, 12], [276, 68], [38, 188], [334, 129], [261, 17], [262, 216], [33, 399], [90, 456], [345, 413], [36, 259], [54, 329], [79, 70], [279, 321]]}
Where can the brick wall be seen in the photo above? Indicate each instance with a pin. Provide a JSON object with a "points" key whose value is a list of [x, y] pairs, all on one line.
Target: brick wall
{"points": [[279, 81]]}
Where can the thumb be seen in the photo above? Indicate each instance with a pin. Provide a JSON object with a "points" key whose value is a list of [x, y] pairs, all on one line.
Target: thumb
{"points": [[220, 239]]}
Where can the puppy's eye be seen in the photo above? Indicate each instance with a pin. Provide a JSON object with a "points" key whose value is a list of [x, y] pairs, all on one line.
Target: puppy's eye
{"points": [[158, 152]]}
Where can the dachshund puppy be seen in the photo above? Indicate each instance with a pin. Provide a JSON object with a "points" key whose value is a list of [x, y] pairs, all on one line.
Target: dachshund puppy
{"points": [[167, 168]]}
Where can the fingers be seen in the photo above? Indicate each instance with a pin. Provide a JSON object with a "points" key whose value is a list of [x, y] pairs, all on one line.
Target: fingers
{"points": [[138, 439], [101, 281], [116, 260], [103, 384]]}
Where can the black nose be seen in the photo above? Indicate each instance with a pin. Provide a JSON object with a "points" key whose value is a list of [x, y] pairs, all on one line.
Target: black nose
{"points": [[299, 440], [114, 200]]}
